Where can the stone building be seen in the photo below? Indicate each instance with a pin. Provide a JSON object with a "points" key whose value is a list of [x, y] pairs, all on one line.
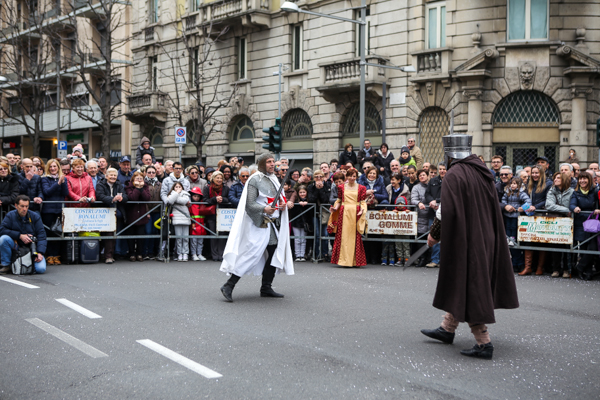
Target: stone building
{"points": [[520, 75]]}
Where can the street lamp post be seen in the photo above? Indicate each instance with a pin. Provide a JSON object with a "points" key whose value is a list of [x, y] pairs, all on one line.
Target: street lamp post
{"points": [[292, 7]]}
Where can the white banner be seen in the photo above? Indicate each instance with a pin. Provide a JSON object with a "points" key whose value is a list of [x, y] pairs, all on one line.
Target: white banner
{"points": [[545, 230], [389, 222], [225, 218], [89, 220]]}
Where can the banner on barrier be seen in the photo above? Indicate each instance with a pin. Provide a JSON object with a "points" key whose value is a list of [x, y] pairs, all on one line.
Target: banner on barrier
{"points": [[390, 222], [89, 220], [225, 218], [555, 230]]}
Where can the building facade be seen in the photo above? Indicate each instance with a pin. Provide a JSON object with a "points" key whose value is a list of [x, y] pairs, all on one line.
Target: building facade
{"points": [[521, 76]]}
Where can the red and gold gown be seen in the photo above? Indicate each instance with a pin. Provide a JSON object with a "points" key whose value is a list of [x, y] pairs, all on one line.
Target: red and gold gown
{"points": [[348, 250]]}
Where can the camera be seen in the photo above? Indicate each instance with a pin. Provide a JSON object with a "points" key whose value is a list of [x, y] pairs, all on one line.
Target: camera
{"points": [[33, 245]]}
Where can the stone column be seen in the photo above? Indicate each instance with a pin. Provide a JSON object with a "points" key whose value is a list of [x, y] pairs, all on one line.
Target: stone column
{"points": [[474, 127], [578, 136]]}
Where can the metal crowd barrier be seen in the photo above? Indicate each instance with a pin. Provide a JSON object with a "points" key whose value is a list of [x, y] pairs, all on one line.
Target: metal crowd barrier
{"points": [[315, 236]]}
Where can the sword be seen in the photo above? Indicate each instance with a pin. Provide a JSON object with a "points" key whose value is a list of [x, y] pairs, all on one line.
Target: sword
{"points": [[415, 256], [276, 200]]}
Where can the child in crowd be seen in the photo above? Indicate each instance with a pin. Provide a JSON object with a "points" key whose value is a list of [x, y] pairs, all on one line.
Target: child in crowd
{"points": [[400, 195], [179, 198], [514, 198], [197, 226], [300, 222], [405, 157], [144, 148]]}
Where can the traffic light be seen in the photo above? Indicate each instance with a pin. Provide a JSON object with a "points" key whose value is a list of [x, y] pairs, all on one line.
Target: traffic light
{"points": [[598, 133], [273, 140]]}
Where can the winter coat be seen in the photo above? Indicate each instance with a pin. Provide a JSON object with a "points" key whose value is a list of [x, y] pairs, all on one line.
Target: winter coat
{"points": [[408, 161], [195, 229], [306, 218], [291, 195], [345, 157], [135, 211], [105, 195], [168, 183], [180, 211], [54, 192], [433, 192], [500, 189], [586, 202], [210, 196], [200, 183], [379, 188], [9, 190], [416, 155], [154, 191], [14, 226], [363, 156], [31, 188], [558, 201], [538, 200], [417, 195], [404, 191], [516, 200], [384, 161], [80, 186], [235, 193], [333, 194], [319, 196], [124, 178], [141, 151]]}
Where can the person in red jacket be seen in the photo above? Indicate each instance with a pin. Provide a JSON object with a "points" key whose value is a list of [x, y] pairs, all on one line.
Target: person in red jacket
{"points": [[197, 226], [137, 190], [81, 187]]}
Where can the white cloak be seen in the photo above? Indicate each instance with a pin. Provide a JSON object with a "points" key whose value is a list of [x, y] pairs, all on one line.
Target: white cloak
{"points": [[246, 248]]}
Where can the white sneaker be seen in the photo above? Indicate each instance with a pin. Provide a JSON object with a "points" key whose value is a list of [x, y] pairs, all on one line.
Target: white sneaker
{"points": [[195, 258], [180, 257], [185, 257], [201, 257]]}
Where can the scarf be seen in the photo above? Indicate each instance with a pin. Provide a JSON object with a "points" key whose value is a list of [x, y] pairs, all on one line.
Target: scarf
{"points": [[585, 192], [216, 188], [405, 160], [371, 183], [54, 176], [151, 181]]}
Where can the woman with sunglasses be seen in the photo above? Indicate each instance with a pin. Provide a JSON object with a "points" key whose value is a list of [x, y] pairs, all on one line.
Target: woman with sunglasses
{"points": [[192, 175]]}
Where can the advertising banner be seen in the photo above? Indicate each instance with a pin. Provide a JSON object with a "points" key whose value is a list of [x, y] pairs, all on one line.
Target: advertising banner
{"points": [[389, 222], [89, 220], [225, 218], [555, 230]]}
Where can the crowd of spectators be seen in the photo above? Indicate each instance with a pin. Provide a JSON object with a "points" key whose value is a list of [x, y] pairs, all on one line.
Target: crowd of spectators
{"points": [[406, 182]]}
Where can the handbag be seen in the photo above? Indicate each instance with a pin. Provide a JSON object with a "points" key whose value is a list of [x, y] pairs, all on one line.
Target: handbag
{"points": [[205, 209], [57, 226], [591, 225], [22, 261], [308, 227]]}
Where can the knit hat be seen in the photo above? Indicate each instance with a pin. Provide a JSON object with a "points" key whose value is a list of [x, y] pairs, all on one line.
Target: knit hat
{"points": [[405, 149], [79, 148], [144, 139]]}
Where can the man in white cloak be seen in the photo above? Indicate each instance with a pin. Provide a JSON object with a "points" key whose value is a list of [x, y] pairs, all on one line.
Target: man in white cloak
{"points": [[259, 241]]}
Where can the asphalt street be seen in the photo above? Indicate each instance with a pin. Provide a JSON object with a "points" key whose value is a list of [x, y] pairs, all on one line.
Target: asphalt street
{"points": [[164, 331]]}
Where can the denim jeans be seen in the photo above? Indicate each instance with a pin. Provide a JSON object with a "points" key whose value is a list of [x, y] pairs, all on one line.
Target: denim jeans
{"points": [[511, 225], [435, 250], [7, 245], [321, 245], [151, 245]]}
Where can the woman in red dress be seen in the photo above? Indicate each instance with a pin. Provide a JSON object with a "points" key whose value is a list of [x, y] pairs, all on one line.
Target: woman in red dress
{"points": [[348, 250]]}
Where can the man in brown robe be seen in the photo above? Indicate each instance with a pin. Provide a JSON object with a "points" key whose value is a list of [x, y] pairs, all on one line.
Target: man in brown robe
{"points": [[476, 273]]}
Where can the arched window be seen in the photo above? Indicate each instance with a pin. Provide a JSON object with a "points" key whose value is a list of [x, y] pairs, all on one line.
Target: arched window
{"points": [[242, 129], [526, 109], [156, 141], [296, 124], [372, 121], [433, 124]]}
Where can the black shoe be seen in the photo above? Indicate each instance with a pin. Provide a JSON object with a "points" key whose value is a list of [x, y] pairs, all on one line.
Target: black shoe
{"points": [[6, 269], [269, 292], [227, 290], [439, 334], [484, 351]]}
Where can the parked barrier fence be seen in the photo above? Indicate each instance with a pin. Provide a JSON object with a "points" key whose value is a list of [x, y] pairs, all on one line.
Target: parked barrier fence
{"points": [[318, 228]]}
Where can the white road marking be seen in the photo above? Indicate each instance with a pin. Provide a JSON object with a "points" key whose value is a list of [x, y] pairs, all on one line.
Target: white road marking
{"points": [[179, 359], [27, 285], [78, 308], [68, 339]]}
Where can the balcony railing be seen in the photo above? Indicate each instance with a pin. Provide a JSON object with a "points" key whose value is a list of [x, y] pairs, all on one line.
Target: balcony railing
{"points": [[345, 70], [226, 9], [433, 61], [149, 104], [191, 22], [149, 34]]}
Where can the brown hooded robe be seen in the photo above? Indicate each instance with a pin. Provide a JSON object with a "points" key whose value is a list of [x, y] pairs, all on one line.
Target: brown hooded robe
{"points": [[476, 274]]}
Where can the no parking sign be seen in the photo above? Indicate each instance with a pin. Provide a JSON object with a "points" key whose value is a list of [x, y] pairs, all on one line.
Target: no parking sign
{"points": [[180, 135]]}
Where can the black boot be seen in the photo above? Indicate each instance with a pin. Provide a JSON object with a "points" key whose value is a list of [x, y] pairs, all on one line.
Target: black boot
{"points": [[484, 351], [267, 279], [227, 288], [440, 334], [6, 269]]}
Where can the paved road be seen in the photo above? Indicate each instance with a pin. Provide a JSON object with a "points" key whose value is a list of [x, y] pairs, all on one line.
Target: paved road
{"points": [[338, 334]]}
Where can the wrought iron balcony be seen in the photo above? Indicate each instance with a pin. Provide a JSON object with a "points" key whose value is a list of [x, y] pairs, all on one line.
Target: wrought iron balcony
{"points": [[148, 105], [344, 75]]}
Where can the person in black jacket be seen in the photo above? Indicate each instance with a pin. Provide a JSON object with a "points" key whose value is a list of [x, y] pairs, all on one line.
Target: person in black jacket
{"points": [[216, 193], [433, 195], [367, 153], [9, 187], [583, 202], [111, 193], [31, 184], [54, 188], [301, 223], [382, 160], [347, 155], [318, 194]]}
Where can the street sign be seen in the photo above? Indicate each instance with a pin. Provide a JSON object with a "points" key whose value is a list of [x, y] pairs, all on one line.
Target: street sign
{"points": [[61, 154], [180, 135], [62, 145]]}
